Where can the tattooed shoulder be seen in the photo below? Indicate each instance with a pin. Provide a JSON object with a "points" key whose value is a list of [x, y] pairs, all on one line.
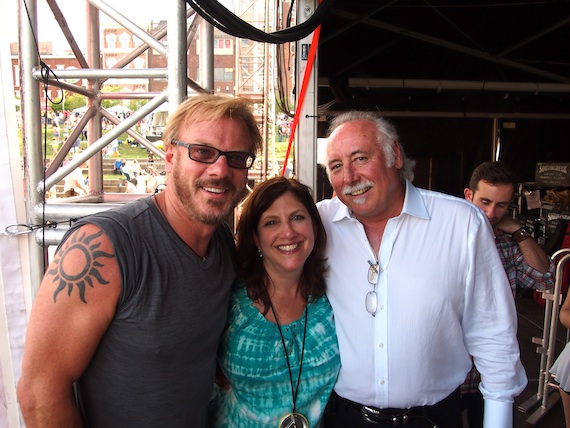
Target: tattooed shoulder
{"points": [[78, 264]]}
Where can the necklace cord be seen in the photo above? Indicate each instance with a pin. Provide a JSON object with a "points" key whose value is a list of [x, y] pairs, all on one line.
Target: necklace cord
{"points": [[294, 394]]}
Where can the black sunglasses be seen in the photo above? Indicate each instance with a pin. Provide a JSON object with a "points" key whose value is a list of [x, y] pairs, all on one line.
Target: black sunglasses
{"points": [[207, 154]]}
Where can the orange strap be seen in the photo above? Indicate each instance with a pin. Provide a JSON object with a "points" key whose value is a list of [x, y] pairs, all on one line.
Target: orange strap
{"points": [[310, 62]]}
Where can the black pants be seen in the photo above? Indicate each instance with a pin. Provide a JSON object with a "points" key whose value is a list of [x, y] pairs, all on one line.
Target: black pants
{"points": [[342, 413], [473, 405]]}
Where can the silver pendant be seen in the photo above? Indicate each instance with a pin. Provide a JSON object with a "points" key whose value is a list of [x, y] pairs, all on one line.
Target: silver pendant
{"points": [[293, 420]]}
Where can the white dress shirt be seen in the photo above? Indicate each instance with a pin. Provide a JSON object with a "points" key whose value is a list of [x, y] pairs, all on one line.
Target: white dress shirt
{"points": [[443, 295]]}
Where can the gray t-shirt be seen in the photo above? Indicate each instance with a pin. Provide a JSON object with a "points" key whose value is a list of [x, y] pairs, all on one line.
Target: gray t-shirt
{"points": [[155, 365]]}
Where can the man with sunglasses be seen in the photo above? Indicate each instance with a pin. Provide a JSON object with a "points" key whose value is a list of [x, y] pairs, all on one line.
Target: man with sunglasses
{"points": [[131, 308], [416, 287]]}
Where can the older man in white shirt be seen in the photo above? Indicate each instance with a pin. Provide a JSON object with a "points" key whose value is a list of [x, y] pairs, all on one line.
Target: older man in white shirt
{"points": [[416, 286]]}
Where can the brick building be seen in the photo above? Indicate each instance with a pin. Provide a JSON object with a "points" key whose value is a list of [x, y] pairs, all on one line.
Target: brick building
{"points": [[117, 42]]}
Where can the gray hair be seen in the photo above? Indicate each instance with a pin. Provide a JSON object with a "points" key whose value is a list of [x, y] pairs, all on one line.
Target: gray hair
{"points": [[386, 136]]}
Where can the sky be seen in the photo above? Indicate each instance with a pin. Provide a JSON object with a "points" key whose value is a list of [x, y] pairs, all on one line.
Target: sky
{"points": [[138, 11]]}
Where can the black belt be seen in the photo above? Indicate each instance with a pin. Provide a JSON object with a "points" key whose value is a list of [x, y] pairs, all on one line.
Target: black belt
{"points": [[396, 417]]}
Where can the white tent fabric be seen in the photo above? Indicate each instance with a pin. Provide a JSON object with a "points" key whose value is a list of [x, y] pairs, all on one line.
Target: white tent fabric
{"points": [[119, 109], [14, 269], [80, 110]]}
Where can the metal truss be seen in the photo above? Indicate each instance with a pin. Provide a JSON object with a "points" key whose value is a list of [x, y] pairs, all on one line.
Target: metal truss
{"points": [[180, 28]]}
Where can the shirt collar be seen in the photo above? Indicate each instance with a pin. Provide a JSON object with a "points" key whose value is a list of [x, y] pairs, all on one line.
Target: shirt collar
{"points": [[414, 204]]}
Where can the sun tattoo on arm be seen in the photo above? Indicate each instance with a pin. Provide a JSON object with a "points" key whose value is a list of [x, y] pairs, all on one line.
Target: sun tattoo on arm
{"points": [[78, 273]]}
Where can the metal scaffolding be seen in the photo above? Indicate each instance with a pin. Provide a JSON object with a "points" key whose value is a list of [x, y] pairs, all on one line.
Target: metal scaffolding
{"points": [[255, 80], [253, 64], [180, 28]]}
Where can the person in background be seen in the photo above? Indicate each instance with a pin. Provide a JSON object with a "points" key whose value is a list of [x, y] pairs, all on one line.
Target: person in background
{"points": [[56, 131], [491, 188], [130, 186], [118, 166], [125, 326], [128, 169], [279, 353], [76, 146], [74, 183], [54, 146], [136, 168], [414, 289]]}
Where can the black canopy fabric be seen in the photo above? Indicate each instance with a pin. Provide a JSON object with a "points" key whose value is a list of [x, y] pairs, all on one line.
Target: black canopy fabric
{"points": [[446, 56]]}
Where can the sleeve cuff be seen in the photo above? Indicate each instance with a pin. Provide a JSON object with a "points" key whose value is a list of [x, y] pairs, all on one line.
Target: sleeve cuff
{"points": [[498, 414]]}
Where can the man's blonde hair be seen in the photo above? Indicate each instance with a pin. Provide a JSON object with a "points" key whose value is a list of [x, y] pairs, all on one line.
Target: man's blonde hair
{"points": [[207, 107]]}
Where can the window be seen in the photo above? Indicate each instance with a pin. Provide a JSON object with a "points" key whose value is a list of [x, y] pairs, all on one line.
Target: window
{"points": [[223, 47], [111, 41], [125, 40], [223, 74], [110, 62]]}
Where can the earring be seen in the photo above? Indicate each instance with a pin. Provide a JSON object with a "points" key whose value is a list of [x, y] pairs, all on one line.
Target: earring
{"points": [[259, 252]]}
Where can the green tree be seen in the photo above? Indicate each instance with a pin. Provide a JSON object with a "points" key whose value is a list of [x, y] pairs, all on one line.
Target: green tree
{"points": [[110, 103], [134, 105], [70, 102]]}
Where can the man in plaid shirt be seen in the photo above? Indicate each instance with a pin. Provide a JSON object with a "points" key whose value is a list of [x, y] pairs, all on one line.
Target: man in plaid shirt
{"points": [[491, 188]]}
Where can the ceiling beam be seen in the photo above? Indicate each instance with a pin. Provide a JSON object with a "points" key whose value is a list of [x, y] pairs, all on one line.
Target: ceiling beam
{"points": [[536, 36], [452, 46], [452, 85]]}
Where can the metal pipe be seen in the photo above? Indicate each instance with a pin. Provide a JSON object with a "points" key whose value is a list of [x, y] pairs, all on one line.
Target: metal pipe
{"points": [[46, 237], [177, 59], [52, 81], [65, 214], [554, 320], [102, 142], [128, 96], [60, 156], [94, 126], [451, 85], [546, 386], [207, 55], [464, 115], [31, 131], [64, 211], [138, 137], [453, 46], [129, 25], [111, 73], [58, 15]]}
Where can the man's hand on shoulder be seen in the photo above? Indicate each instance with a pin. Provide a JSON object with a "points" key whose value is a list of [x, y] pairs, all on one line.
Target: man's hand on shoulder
{"points": [[508, 225]]}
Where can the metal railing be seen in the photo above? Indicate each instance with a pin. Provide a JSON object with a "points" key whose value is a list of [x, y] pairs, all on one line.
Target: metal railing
{"points": [[547, 393]]}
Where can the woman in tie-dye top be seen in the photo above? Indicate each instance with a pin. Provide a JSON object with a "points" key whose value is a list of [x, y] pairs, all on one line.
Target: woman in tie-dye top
{"points": [[279, 353]]}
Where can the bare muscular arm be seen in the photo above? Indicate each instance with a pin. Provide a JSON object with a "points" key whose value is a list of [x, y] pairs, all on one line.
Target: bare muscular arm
{"points": [[72, 310]]}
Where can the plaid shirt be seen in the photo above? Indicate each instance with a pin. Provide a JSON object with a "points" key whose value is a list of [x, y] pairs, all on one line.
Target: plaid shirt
{"points": [[519, 273]]}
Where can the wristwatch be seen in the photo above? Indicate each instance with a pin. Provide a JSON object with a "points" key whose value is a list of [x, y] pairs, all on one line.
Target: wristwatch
{"points": [[521, 234]]}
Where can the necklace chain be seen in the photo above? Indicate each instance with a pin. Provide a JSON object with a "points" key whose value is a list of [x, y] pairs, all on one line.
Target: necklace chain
{"points": [[294, 391]]}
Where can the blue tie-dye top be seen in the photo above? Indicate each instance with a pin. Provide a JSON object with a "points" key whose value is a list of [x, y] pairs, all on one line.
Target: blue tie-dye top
{"points": [[253, 359]]}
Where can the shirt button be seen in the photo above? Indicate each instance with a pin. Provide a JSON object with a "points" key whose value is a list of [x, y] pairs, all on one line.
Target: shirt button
{"points": [[381, 307], [381, 345], [381, 382]]}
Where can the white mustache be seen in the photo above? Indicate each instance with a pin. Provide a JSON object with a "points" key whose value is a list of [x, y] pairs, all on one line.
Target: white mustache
{"points": [[357, 188]]}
